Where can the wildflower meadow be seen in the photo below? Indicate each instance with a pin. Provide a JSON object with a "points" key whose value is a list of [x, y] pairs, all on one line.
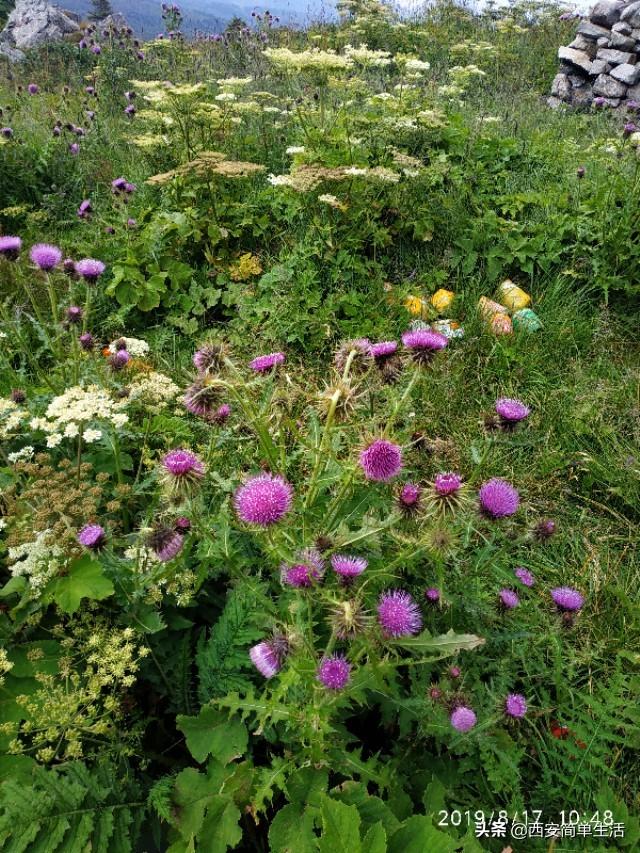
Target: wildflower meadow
{"points": [[319, 425]]}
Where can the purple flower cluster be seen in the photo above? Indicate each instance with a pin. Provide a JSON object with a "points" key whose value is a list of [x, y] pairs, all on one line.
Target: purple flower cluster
{"points": [[567, 599], [515, 705], [347, 566], [265, 363], [398, 614], [45, 256], [498, 498], [334, 672], [463, 719], [92, 536], [381, 461], [511, 411], [263, 499]]}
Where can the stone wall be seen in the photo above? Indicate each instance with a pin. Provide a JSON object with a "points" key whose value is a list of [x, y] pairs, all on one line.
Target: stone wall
{"points": [[602, 62]]}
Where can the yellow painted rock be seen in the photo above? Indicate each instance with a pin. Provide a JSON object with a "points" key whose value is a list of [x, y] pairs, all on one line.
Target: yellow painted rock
{"points": [[442, 299], [415, 305], [513, 297]]}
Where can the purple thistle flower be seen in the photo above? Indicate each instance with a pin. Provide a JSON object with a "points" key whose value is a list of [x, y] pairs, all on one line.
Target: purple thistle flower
{"points": [[581, 171], [166, 542], [463, 719], [566, 599], [299, 576], [423, 343], [432, 595], [524, 576], [221, 414], [381, 460], [347, 566], [334, 672], [498, 498], [455, 672], [599, 101], [74, 148], [92, 536], [263, 499], [508, 599], [45, 256], [7, 132], [515, 705], [398, 614], [131, 223], [90, 269], [96, 49], [182, 524], [409, 498], [129, 188], [74, 314], [545, 529], [130, 110], [210, 357], [86, 341], [69, 267], [33, 88], [118, 185], [265, 659], [119, 360], [10, 247], [85, 209], [202, 399], [383, 350], [511, 411], [130, 96], [264, 363], [447, 484], [629, 128], [182, 464]]}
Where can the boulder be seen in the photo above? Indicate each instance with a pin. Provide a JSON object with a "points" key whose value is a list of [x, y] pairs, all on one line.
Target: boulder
{"points": [[599, 66], [631, 14], [585, 44], [607, 12], [628, 74], [561, 87], [582, 97], [616, 57], [32, 23], [622, 27], [621, 42], [592, 31], [633, 92], [606, 86], [576, 58]]}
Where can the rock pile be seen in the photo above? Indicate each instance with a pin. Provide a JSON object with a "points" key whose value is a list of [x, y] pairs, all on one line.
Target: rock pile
{"points": [[32, 23], [602, 62]]}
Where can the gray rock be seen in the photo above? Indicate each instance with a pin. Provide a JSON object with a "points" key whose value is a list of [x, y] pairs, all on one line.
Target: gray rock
{"points": [[603, 42], [577, 58], [592, 31], [582, 97], [622, 27], [608, 87], [633, 92], [554, 103], [577, 80], [616, 57], [635, 34], [35, 22], [585, 44], [631, 14], [607, 12], [629, 74], [621, 42], [612, 102], [598, 66], [561, 87]]}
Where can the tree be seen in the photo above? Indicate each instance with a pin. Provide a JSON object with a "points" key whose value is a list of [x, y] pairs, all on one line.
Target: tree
{"points": [[100, 9]]}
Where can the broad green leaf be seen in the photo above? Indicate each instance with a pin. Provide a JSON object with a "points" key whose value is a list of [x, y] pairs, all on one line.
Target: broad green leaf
{"points": [[291, 830], [191, 793], [434, 796], [418, 834], [340, 828], [212, 733], [85, 579], [306, 786], [220, 829], [375, 841], [442, 645]]}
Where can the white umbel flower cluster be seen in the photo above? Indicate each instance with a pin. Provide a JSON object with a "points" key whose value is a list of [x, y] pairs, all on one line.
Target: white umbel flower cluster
{"points": [[11, 416], [154, 390], [72, 413], [134, 346], [37, 561]]}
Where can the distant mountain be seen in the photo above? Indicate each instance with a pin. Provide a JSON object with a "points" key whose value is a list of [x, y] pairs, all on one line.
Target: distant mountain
{"points": [[210, 16]]}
